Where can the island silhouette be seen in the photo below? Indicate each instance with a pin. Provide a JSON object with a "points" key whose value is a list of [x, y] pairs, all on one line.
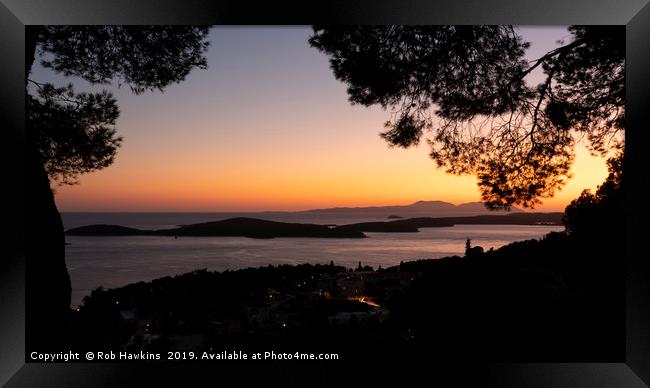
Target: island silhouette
{"points": [[259, 228]]}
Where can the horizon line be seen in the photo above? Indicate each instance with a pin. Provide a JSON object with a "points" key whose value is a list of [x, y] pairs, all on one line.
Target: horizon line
{"points": [[528, 210]]}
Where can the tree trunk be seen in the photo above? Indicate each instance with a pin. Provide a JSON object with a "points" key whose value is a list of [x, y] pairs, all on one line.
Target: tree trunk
{"points": [[47, 280]]}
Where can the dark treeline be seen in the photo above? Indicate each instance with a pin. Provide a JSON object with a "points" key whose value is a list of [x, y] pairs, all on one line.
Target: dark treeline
{"points": [[532, 300]]}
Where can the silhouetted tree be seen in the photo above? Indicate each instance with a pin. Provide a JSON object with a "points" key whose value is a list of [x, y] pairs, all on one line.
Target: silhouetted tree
{"points": [[75, 133], [471, 251], [466, 85], [593, 215], [68, 134]]}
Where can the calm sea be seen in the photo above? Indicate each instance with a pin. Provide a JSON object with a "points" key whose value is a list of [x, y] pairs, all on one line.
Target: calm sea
{"points": [[116, 261]]}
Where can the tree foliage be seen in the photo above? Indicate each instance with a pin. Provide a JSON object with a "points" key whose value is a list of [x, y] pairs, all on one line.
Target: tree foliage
{"points": [[75, 133], [144, 57], [466, 87]]}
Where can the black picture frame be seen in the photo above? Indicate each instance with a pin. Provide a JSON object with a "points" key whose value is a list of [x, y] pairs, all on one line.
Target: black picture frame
{"points": [[15, 14]]}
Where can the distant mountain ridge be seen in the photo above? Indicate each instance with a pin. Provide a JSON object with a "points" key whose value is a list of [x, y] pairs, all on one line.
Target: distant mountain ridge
{"points": [[419, 208]]}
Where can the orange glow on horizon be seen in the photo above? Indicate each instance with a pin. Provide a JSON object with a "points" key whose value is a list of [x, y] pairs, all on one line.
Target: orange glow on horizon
{"points": [[290, 183]]}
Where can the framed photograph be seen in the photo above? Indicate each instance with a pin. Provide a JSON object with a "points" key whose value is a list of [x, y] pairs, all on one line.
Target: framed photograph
{"points": [[203, 192]]}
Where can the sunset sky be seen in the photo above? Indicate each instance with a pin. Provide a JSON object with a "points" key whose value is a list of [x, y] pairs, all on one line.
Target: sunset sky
{"points": [[268, 127]]}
